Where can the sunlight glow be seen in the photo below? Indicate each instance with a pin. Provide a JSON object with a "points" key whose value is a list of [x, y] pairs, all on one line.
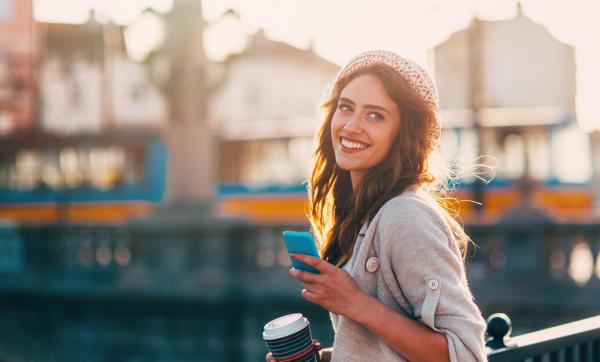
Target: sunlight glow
{"points": [[226, 36], [145, 35], [598, 265], [62, 11], [571, 156], [581, 265], [119, 11], [337, 29]]}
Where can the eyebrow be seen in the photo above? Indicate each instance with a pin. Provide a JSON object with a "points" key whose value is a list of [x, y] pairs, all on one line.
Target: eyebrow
{"points": [[371, 106]]}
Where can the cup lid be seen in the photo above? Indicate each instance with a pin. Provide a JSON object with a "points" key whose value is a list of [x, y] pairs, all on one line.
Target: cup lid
{"points": [[284, 326]]}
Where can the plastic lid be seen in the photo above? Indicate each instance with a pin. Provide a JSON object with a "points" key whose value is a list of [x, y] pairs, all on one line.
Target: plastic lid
{"points": [[284, 326]]}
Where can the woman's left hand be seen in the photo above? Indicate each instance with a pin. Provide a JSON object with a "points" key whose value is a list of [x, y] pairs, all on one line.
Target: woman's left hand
{"points": [[333, 289]]}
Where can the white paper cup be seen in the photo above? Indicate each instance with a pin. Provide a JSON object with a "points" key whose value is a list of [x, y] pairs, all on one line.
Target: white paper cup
{"points": [[289, 338]]}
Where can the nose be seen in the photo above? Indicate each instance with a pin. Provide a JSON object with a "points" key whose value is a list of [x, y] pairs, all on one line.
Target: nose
{"points": [[353, 124]]}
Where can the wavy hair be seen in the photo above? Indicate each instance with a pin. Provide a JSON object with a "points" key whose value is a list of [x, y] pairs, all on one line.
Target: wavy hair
{"points": [[336, 211]]}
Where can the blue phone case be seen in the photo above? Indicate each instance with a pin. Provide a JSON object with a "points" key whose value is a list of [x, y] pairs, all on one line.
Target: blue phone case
{"points": [[301, 242]]}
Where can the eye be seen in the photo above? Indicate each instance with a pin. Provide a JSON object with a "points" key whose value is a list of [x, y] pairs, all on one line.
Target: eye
{"points": [[375, 115], [344, 107]]}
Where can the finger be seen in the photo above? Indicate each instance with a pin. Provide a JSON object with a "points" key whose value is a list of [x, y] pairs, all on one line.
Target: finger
{"points": [[308, 295], [315, 262], [312, 287], [305, 276]]}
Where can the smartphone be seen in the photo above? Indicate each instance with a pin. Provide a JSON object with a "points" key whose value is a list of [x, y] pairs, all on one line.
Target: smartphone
{"points": [[301, 242]]}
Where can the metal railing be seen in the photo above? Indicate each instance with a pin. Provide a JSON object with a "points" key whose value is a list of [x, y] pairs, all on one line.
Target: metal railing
{"points": [[571, 342], [174, 287]]}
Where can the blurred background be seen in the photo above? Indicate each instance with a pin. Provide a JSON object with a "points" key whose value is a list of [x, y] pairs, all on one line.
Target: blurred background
{"points": [[152, 152]]}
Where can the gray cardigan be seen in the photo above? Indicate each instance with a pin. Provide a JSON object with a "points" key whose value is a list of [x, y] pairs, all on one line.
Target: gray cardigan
{"points": [[408, 259]]}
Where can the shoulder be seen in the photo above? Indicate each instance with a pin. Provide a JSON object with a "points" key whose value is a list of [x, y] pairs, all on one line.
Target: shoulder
{"points": [[411, 207], [413, 216]]}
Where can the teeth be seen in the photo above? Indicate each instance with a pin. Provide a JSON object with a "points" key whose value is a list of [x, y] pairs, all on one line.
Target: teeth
{"points": [[349, 144]]}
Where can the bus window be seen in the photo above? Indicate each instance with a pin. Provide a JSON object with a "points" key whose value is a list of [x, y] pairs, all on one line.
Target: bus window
{"points": [[51, 173], [571, 154], [267, 162], [26, 174], [466, 156], [299, 152], [458, 154], [70, 168], [106, 166], [4, 173], [538, 153], [443, 160], [512, 161]]}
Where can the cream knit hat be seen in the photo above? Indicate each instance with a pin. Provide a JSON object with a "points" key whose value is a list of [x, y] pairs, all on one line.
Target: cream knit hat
{"points": [[414, 74]]}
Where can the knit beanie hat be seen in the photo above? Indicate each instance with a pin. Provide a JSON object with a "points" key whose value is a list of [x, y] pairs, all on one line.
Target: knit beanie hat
{"points": [[414, 74]]}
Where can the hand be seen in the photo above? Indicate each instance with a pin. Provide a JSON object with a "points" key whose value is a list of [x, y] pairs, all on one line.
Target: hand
{"points": [[333, 289], [269, 357]]}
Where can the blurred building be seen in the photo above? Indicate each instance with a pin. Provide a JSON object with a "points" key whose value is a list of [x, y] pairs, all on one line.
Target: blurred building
{"points": [[516, 82], [522, 68], [265, 105], [120, 119], [18, 51], [85, 80], [89, 84], [87, 148]]}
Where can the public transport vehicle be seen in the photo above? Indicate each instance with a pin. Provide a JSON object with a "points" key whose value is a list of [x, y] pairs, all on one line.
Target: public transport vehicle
{"points": [[100, 178], [110, 177], [549, 166]]}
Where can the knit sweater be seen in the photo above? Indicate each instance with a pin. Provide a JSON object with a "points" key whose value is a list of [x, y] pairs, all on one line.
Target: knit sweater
{"points": [[408, 258]]}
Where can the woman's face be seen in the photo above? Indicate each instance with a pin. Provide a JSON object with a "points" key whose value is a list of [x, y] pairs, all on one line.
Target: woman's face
{"points": [[364, 126]]}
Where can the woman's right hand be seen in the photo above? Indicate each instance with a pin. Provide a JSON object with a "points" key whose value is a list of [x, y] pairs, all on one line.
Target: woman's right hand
{"points": [[270, 358]]}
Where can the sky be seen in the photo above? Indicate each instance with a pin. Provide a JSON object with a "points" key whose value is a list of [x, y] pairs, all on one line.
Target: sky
{"points": [[339, 29]]}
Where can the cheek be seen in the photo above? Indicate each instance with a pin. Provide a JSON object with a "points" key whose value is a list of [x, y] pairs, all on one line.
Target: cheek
{"points": [[393, 135], [333, 131], [336, 122], [387, 142]]}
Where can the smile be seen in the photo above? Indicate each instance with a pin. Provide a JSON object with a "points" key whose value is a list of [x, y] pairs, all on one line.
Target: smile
{"points": [[354, 145]]}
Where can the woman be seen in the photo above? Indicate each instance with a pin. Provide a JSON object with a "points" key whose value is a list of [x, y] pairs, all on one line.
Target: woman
{"points": [[392, 274]]}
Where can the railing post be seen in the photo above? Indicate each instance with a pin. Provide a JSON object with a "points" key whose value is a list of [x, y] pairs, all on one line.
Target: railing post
{"points": [[498, 330]]}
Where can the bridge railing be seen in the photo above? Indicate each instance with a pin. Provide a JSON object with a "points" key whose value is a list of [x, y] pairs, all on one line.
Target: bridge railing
{"points": [[571, 342], [178, 274], [528, 269]]}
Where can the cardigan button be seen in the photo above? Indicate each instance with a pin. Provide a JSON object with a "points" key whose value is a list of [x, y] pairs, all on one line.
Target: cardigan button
{"points": [[433, 284], [372, 264]]}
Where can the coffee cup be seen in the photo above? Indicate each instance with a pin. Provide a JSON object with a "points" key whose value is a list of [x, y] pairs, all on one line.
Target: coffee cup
{"points": [[289, 339]]}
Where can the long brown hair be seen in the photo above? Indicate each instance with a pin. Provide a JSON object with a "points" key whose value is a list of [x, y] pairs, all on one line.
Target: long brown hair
{"points": [[336, 211]]}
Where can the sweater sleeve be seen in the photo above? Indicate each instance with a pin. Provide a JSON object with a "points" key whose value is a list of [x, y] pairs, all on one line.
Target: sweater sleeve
{"points": [[423, 264]]}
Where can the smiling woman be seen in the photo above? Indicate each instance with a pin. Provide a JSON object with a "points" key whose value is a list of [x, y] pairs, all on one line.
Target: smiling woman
{"points": [[392, 273], [363, 132]]}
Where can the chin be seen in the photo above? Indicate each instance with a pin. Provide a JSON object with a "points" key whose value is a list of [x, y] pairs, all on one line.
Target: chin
{"points": [[347, 167], [343, 166]]}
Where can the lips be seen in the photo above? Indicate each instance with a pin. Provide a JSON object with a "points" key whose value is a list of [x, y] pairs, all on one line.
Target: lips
{"points": [[350, 144], [349, 147]]}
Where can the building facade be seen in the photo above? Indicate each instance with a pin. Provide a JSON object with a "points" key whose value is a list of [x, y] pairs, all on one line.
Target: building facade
{"points": [[265, 106]]}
